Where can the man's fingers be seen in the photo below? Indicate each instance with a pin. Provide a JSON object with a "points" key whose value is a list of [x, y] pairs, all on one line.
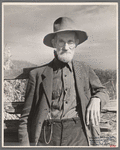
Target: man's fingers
{"points": [[96, 118], [88, 116], [93, 113], [99, 115], [92, 118]]}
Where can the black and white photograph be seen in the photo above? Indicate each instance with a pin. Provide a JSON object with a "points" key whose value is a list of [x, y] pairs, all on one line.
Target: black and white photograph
{"points": [[60, 74]]}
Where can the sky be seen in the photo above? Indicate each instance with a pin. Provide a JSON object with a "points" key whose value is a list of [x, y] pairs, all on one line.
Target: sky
{"points": [[26, 24]]}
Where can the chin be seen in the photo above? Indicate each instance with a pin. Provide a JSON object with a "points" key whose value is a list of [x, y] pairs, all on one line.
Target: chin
{"points": [[65, 57]]}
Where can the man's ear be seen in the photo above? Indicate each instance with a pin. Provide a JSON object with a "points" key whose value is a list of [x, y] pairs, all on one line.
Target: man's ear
{"points": [[53, 42]]}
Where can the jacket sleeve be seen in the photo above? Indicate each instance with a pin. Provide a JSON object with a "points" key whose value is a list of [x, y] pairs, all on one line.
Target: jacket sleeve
{"points": [[97, 89], [23, 133]]}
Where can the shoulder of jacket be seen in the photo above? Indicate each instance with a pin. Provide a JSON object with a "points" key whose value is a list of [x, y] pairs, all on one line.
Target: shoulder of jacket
{"points": [[39, 70], [82, 64]]}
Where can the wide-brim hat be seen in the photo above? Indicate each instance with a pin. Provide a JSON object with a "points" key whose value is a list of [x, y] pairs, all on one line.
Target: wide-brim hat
{"points": [[64, 24]]}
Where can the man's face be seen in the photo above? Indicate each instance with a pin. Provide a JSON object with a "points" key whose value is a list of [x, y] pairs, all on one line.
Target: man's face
{"points": [[65, 44]]}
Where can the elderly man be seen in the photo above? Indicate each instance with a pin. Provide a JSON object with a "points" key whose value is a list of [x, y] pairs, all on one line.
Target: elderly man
{"points": [[63, 98]]}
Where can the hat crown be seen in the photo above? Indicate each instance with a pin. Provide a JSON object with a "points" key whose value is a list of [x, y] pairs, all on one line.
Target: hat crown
{"points": [[63, 23]]}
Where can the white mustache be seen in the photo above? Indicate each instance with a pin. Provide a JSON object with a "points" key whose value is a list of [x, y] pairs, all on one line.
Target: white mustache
{"points": [[66, 52]]}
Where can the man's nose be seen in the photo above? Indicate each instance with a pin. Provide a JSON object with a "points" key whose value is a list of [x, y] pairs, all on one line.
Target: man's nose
{"points": [[66, 46]]}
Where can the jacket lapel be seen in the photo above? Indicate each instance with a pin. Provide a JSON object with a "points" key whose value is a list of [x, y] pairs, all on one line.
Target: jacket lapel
{"points": [[79, 78], [47, 78]]}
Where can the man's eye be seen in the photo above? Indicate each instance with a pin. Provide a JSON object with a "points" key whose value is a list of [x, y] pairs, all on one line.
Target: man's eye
{"points": [[60, 40], [70, 42], [61, 43]]}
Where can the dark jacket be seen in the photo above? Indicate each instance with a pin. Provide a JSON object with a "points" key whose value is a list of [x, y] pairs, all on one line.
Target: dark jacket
{"points": [[38, 99]]}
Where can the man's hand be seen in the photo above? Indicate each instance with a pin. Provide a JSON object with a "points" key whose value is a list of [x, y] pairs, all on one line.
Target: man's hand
{"points": [[93, 112]]}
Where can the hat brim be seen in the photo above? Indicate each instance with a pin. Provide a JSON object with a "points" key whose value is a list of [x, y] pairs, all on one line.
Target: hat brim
{"points": [[82, 36]]}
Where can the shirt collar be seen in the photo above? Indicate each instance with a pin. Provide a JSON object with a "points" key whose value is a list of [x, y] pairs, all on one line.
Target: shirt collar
{"points": [[57, 64]]}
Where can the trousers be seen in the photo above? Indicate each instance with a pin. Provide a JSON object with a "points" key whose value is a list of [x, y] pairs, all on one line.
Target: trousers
{"points": [[65, 132]]}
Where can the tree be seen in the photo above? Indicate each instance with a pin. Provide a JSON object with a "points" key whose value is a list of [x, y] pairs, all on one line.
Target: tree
{"points": [[8, 65]]}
